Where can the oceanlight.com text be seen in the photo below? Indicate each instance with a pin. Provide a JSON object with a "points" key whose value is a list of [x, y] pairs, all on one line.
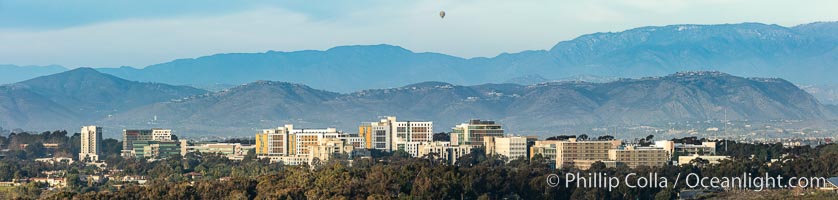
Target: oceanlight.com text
{"points": [[692, 180]]}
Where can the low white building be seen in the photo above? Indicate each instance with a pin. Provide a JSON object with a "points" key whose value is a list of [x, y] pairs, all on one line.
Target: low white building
{"points": [[705, 148], [55, 160], [683, 160]]}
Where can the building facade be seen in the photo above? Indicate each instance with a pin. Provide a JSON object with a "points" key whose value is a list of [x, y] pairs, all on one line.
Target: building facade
{"points": [[512, 147], [388, 134], [329, 148], [156, 149], [473, 132], [682, 149], [142, 136], [289, 141], [161, 134], [91, 138], [444, 151], [571, 150], [546, 149], [639, 156]]}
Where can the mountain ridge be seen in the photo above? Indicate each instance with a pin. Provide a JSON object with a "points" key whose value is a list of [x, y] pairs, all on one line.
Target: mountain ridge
{"points": [[78, 96], [746, 49], [537, 109], [743, 49]]}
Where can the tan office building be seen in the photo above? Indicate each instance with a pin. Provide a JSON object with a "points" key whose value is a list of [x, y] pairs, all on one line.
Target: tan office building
{"points": [[570, 150], [640, 156]]}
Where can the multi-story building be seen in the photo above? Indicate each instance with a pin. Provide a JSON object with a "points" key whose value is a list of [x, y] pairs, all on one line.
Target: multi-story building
{"points": [[306, 138], [412, 148], [51, 181], [274, 142], [287, 160], [129, 137], [261, 143], [705, 148], [288, 141], [444, 151], [161, 134], [91, 138], [571, 150], [409, 131], [546, 149], [156, 149], [355, 141], [512, 147], [225, 149], [328, 148], [376, 135], [633, 156], [390, 135], [473, 132], [583, 154]]}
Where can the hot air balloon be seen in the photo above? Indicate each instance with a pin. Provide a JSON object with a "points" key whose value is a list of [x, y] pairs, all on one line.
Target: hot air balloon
{"points": [[442, 14]]}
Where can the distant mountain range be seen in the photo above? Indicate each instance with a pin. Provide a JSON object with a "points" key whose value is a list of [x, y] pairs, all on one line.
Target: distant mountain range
{"points": [[572, 84], [827, 94], [805, 54], [77, 97], [535, 109], [85, 96]]}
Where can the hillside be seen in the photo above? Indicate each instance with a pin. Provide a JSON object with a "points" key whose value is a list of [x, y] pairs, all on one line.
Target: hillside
{"points": [[534, 109], [79, 96]]}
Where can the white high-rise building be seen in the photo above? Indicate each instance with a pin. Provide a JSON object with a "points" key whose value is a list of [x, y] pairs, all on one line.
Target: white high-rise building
{"points": [[408, 131], [91, 137]]}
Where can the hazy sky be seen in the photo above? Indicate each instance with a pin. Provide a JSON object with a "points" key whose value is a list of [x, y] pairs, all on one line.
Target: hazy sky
{"points": [[96, 33]]}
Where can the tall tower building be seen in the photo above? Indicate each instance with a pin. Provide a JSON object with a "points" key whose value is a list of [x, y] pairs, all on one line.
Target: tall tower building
{"points": [[91, 138]]}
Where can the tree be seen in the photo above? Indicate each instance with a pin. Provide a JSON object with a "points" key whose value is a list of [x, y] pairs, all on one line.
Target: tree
{"points": [[250, 156], [74, 182], [35, 150], [111, 146], [442, 136], [605, 138], [582, 137], [699, 162]]}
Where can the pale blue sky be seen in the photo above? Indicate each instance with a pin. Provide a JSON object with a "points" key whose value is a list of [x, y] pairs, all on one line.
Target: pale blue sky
{"points": [[139, 33]]}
